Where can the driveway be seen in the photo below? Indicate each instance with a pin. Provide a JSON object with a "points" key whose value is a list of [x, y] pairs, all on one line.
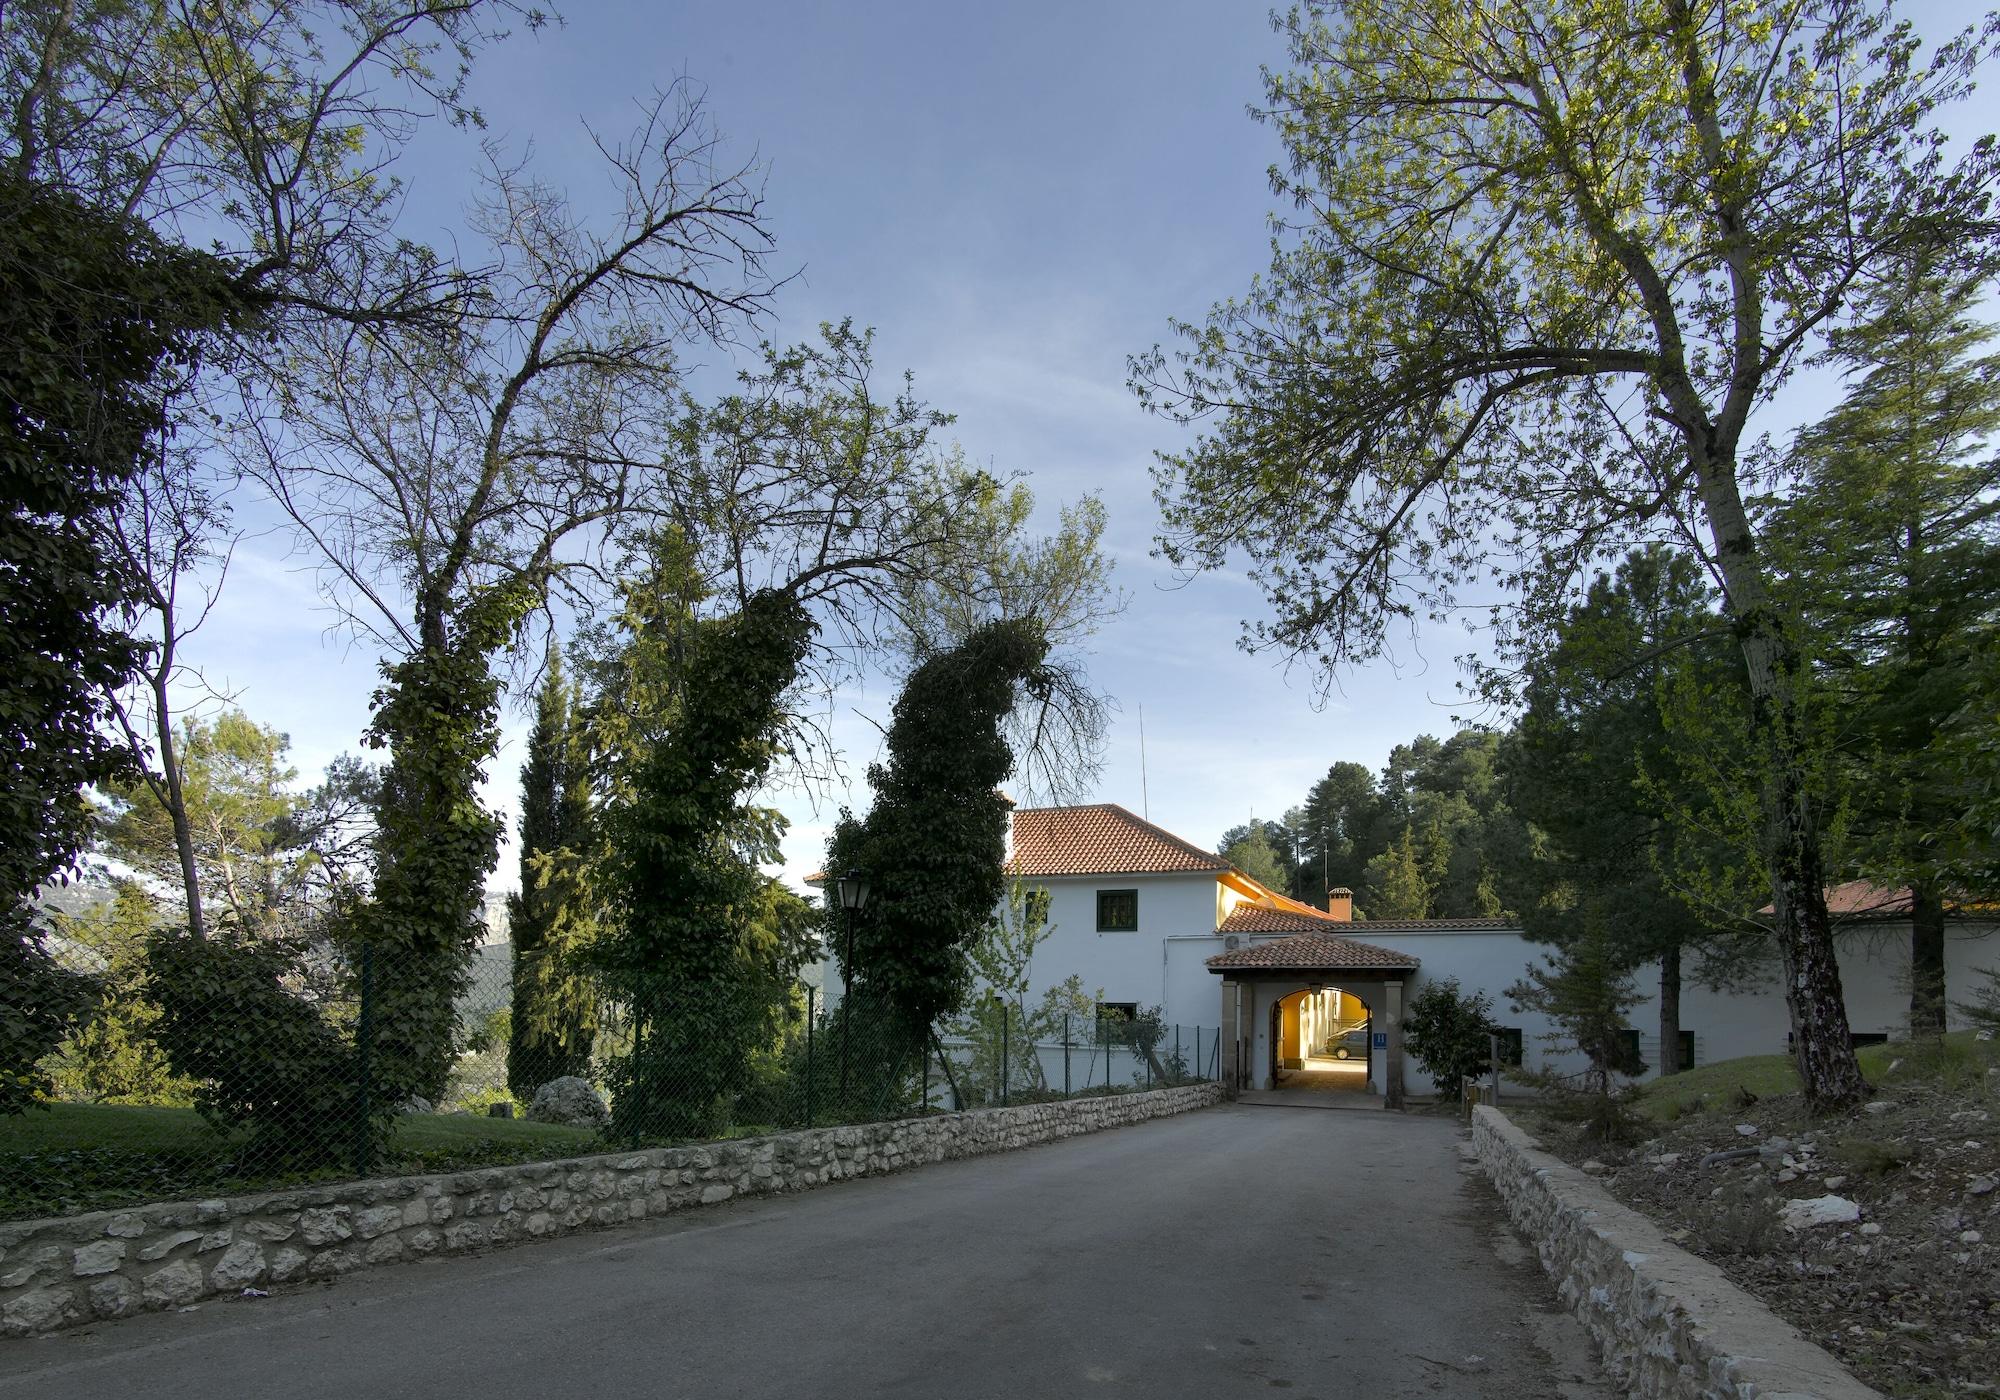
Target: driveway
{"points": [[1235, 1251]]}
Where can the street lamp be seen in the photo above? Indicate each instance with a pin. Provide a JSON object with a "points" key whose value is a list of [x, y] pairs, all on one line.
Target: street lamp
{"points": [[853, 888]]}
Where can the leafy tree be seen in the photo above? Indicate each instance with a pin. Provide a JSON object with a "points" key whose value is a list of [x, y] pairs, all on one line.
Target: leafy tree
{"points": [[234, 818], [1896, 552], [113, 1058], [1591, 757], [1251, 850], [1446, 1033], [1338, 828], [935, 839], [94, 306], [1549, 263], [703, 979], [551, 919], [1585, 987], [1397, 885]]}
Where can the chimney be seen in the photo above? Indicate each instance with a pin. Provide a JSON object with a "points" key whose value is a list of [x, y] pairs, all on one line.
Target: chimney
{"points": [[1340, 903]]}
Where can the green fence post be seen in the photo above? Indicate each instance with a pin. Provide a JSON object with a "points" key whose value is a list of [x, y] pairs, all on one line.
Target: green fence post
{"points": [[1065, 1054], [364, 1037], [1003, 1054], [812, 1006]]}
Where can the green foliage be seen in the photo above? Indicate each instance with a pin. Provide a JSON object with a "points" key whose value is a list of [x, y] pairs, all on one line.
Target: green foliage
{"points": [[113, 1057], [1585, 990], [1255, 854], [1891, 547], [437, 714], [267, 1056], [257, 865], [934, 841], [1551, 262], [1445, 1032], [40, 1002], [1871, 1156], [551, 921], [701, 951], [1397, 885], [94, 307]]}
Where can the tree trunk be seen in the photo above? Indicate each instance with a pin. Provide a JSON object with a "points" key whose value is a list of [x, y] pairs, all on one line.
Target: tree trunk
{"points": [[1927, 987], [170, 768], [1670, 1013], [1821, 1045]]}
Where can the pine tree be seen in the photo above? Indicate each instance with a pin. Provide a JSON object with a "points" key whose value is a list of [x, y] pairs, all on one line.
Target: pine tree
{"points": [[1397, 887], [551, 920], [1895, 550]]}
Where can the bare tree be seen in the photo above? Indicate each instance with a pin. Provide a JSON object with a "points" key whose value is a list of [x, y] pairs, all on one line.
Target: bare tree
{"points": [[451, 479]]}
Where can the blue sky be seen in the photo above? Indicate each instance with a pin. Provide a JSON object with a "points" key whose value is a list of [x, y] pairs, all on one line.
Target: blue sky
{"points": [[1017, 197]]}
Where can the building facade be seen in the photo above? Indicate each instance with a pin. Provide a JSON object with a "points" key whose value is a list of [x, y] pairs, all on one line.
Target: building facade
{"points": [[1145, 919]]}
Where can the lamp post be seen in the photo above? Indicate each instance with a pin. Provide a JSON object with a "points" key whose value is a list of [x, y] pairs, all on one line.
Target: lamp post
{"points": [[853, 887]]}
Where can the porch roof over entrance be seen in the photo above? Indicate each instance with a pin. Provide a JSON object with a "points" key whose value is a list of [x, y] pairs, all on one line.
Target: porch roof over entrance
{"points": [[1312, 952]]}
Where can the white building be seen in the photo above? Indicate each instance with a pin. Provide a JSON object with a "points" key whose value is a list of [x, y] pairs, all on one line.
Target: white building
{"points": [[1146, 919]]}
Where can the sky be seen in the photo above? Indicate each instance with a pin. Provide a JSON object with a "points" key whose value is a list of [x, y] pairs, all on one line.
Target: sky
{"points": [[1017, 197]]}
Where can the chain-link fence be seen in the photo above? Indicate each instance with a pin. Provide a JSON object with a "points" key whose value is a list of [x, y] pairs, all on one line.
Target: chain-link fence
{"points": [[232, 1065]]}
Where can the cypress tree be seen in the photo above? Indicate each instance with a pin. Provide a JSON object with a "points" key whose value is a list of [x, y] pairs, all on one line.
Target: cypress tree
{"points": [[552, 918]]}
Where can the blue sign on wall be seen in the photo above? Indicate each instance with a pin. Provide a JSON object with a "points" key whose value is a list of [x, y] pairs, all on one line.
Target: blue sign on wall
{"points": [[1381, 1040]]}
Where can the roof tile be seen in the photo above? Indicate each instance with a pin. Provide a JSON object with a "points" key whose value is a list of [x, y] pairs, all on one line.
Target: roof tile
{"points": [[1103, 839], [1312, 952]]}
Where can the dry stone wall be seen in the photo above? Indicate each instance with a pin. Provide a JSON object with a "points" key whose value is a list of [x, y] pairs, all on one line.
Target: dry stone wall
{"points": [[108, 1264], [1668, 1324]]}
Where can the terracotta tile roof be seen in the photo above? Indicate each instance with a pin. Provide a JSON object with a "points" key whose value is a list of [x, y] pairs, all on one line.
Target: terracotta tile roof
{"points": [[1259, 918], [1415, 925], [1311, 952], [1103, 839], [1858, 899]]}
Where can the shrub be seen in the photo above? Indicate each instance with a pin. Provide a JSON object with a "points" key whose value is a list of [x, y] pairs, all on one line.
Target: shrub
{"points": [[264, 1056], [1446, 1032]]}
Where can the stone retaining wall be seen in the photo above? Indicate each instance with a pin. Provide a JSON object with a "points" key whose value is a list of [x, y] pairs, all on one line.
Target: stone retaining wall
{"points": [[1668, 1324], [58, 1273]]}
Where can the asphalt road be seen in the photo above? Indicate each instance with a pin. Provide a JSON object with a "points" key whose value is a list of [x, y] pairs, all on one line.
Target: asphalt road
{"points": [[1231, 1252]]}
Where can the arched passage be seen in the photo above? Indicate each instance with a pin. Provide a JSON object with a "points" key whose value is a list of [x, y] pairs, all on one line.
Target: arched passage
{"points": [[1318, 1039]]}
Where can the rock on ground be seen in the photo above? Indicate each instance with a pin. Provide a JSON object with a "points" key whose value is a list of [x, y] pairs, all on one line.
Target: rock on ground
{"points": [[570, 1101]]}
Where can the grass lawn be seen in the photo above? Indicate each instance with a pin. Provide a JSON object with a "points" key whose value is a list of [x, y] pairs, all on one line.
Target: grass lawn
{"points": [[1769, 1075], [65, 1158]]}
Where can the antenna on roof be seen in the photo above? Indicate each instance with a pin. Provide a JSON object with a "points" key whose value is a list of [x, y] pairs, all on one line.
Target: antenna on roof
{"points": [[1145, 800]]}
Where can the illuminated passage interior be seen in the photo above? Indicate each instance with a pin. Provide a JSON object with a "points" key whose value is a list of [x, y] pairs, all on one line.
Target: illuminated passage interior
{"points": [[1323, 1039]]}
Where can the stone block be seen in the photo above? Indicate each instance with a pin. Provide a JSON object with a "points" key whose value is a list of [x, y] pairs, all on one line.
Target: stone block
{"points": [[113, 1297], [42, 1310], [269, 1231], [327, 1225], [288, 1264], [103, 1257], [241, 1265], [331, 1263], [179, 1282], [167, 1244], [377, 1220]]}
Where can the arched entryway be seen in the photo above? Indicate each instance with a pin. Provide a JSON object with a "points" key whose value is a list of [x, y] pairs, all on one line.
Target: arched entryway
{"points": [[1319, 1041], [1260, 975]]}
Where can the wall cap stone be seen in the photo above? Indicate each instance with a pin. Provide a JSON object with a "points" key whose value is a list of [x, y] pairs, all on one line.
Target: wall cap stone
{"points": [[1740, 1349]]}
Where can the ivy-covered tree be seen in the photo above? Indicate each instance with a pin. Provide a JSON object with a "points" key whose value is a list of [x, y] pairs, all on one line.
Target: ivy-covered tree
{"points": [[93, 307], [702, 975], [933, 843], [551, 920]]}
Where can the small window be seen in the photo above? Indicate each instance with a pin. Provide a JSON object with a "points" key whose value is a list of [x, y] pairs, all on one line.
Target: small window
{"points": [[1687, 1051], [1118, 1011], [1860, 1038], [1117, 911], [1629, 1038], [1510, 1045]]}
